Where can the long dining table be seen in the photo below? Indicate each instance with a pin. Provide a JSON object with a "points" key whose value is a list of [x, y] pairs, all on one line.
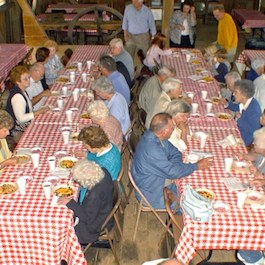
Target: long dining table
{"points": [[233, 228], [33, 229]]}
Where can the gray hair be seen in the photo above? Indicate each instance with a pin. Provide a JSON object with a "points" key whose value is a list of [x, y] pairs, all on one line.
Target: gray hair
{"points": [[235, 76], [259, 137], [103, 84], [87, 173], [178, 106], [246, 87], [257, 63], [108, 63], [98, 110], [6, 121], [117, 42], [36, 66], [166, 70], [170, 84], [159, 122]]}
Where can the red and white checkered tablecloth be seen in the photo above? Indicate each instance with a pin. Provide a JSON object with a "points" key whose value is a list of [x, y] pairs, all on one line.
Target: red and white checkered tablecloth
{"points": [[10, 56], [234, 229]]}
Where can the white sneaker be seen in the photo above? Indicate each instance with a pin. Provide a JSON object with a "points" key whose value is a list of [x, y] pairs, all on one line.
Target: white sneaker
{"points": [[259, 262]]}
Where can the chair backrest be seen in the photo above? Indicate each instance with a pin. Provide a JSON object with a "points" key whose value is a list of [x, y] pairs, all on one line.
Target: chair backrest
{"points": [[141, 56], [132, 142], [121, 172], [142, 118]]}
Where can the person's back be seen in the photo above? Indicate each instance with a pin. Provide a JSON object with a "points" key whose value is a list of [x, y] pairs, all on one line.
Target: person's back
{"points": [[127, 60], [124, 71]]}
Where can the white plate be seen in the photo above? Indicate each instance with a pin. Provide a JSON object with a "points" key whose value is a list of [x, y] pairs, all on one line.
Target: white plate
{"points": [[22, 158], [220, 207], [67, 158], [74, 109], [27, 178], [60, 153], [53, 179], [255, 197], [193, 158], [211, 115], [36, 149], [56, 110], [65, 128], [70, 188]]}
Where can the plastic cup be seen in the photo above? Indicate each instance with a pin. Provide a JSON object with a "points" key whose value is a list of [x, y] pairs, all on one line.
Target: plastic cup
{"points": [[228, 164], [84, 77], [69, 115], [203, 139], [75, 95], [72, 77], [79, 66], [47, 188], [60, 103], [231, 138], [52, 163], [209, 107], [204, 94], [188, 57], [89, 64], [35, 159], [194, 108], [191, 95], [65, 90], [66, 136], [241, 198], [21, 182]]}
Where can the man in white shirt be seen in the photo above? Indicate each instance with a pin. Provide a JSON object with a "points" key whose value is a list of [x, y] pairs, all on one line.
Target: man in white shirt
{"points": [[35, 90]]}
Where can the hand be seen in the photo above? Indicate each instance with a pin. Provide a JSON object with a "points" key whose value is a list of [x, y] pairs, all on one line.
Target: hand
{"points": [[253, 170], [238, 115], [173, 49], [223, 101], [41, 111], [63, 200], [192, 10], [180, 27], [257, 182], [205, 163], [46, 93], [9, 162]]}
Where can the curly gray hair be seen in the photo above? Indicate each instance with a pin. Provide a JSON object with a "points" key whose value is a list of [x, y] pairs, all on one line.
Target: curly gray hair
{"points": [[98, 110], [103, 84], [177, 106], [6, 120]]}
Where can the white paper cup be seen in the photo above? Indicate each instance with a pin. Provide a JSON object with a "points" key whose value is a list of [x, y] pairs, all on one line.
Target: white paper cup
{"points": [[54, 200], [47, 188], [194, 108], [191, 95], [241, 197], [84, 77], [188, 57], [204, 94], [69, 115], [64, 90], [66, 137], [75, 95], [35, 159], [52, 163], [209, 107], [21, 182], [60, 103], [203, 139], [88, 63], [79, 66], [231, 138], [228, 162], [72, 77]]}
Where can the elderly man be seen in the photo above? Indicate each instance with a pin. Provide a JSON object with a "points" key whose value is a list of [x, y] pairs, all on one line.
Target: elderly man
{"points": [[115, 102], [121, 55], [99, 114], [259, 84], [152, 88], [227, 33], [108, 68], [35, 91], [257, 69], [171, 89], [138, 23], [247, 110], [156, 160]]}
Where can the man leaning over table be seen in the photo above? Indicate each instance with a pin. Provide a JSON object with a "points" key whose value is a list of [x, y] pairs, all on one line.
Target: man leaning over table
{"points": [[157, 160], [227, 37], [138, 23]]}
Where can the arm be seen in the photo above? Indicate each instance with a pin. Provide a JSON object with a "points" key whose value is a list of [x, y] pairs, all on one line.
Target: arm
{"points": [[125, 25], [233, 106], [36, 99], [222, 71], [151, 24], [175, 22], [193, 16], [8, 162]]}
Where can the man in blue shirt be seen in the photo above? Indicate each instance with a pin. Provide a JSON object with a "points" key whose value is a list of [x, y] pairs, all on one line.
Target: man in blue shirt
{"points": [[156, 160], [138, 24]]}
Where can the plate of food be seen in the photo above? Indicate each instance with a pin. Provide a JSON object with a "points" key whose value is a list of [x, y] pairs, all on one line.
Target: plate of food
{"points": [[63, 190], [85, 116], [206, 79], [22, 158], [7, 188], [215, 100], [196, 62], [206, 193], [223, 116], [71, 67], [67, 162], [255, 197], [62, 79], [240, 166]]}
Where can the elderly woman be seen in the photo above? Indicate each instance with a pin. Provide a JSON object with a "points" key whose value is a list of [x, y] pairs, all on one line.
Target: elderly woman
{"points": [[6, 123], [53, 67], [182, 25], [257, 68], [247, 110], [101, 150], [95, 200], [179, 110], [99, 114], [18, 104]]}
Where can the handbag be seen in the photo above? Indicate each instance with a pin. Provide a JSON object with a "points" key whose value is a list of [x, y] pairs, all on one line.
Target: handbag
{"points": [[196, 206]]}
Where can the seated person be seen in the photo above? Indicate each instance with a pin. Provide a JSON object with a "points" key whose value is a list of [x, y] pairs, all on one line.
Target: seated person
{"points": [[42, 56], [247, 110], [156, 160], [257, 69], [6, 123], [95, 200], [220, 66], [99, 114], [259, 95], [251, 257], [101, 150]]}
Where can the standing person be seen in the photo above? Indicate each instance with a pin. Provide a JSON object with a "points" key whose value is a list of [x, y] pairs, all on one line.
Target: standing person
{"points": [[227, 33], [138, 23], [182, 23]]}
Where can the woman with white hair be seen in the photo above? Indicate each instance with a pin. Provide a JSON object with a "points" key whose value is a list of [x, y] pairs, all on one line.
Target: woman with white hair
{"points": [[99, 114], [257, 68], [95, 200]]}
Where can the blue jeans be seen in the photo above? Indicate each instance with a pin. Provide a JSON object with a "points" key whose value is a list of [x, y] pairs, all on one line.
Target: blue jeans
{"points": [[250, 256]]}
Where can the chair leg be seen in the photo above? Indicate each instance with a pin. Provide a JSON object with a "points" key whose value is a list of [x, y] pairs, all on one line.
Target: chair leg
{"points": [[86, 248], [118, 224], [96, 257], [137, 219], [114, 252]]}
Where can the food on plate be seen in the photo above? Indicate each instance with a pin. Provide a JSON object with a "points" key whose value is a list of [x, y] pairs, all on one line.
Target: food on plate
{"points": [[67, 163], [196, 62], [207, 79], [206, 194], [85, 116], [63, 191], [223, 116], [71, 67], [215, 100], [61, 79], [8, 188], [22, 159]]}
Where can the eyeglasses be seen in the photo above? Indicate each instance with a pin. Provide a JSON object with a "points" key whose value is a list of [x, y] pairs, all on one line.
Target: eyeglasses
{"points": [[26, 78]]}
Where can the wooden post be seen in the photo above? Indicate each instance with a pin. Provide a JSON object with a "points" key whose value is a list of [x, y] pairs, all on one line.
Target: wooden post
{"points": [[168, 9]]}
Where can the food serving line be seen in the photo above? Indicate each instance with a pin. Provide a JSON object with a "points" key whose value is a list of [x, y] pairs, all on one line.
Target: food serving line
{"points": [[34, 229], [230, 227]]}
